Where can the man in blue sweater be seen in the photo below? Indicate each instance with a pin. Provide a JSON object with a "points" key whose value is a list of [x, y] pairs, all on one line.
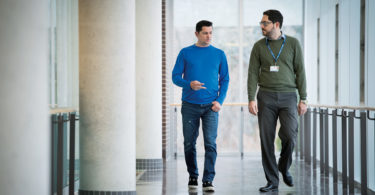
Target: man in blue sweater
{"points": [[202, 72]]}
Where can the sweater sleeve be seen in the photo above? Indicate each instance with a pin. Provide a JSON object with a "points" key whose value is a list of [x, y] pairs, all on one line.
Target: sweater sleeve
{"points": [[253, 73], [178, 71], [223, 79], [299, 69]]}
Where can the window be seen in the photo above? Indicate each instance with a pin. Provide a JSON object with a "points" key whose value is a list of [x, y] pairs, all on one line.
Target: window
{"points": [[63, 63], [337, 55], [318, 57], [236, 29], [362, 52]]}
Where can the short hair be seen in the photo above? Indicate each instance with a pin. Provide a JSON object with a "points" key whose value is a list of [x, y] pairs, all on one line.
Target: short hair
{"points": [[202, 23], [274, 16]]}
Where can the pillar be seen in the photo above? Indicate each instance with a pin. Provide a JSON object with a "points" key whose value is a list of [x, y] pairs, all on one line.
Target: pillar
{"points": [[25, 138], [149, 77], [107, 96]]}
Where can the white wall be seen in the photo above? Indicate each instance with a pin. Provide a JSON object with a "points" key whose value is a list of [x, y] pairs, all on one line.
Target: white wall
{"points": [[349, 66], [25, 139], [370, 88]]}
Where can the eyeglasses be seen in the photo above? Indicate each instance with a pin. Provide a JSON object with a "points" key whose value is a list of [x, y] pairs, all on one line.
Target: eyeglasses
{"points": [[265, 23]]}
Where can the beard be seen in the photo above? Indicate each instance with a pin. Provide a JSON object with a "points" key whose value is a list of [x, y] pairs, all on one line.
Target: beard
{"points": [[269, 33]]}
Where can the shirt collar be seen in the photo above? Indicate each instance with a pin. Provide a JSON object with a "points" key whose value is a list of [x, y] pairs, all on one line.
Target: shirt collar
{"points": [[281, 37]]}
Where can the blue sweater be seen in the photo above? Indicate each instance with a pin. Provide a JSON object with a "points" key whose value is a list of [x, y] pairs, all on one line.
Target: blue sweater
{"points": [[207, 65]]}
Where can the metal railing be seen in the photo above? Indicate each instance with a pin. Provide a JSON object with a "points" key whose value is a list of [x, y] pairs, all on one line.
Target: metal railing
{"points": [[60, 118], [308, 150], [317, 119]]}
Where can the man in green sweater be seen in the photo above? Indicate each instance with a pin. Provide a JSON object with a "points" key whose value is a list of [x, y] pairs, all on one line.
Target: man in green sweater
{"points": [[276, 66]]}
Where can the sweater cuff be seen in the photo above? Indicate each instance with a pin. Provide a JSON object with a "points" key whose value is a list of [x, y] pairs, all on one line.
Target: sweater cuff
{"points": [[219, 100], [186, 84], [251, 98]]}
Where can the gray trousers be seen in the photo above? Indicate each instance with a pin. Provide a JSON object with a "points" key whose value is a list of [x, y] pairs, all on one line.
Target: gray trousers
{"points": [[273, 106]]}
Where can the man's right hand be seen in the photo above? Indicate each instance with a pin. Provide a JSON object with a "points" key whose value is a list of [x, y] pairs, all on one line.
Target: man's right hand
{"points": [[196, 85], [253, 108]]}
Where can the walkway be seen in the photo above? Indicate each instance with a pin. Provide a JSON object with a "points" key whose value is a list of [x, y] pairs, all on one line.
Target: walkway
{"points": [[235, 177]]}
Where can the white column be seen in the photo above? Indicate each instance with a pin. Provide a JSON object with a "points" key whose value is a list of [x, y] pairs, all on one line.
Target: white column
{"points": [[149, 77], [107, 95], [370, 98], [24, 123], [171, 57]]}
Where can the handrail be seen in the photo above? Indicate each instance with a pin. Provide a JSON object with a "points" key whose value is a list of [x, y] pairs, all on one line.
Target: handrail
{"points": [[225, 104], [62, 110], [343, 107], [59, 118], [318, 115], [309, 105]]}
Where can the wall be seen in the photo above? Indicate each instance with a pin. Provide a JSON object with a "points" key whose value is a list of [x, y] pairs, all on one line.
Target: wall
{"points": [[321, 81]]}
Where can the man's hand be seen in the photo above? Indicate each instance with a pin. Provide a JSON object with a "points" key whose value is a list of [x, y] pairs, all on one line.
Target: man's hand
{"points": [[302, 108], [216, 106], [196, 85], [253, 107]]}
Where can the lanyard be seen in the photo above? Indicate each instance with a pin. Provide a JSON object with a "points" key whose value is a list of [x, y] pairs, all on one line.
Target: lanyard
{"points": [[281, 49]]}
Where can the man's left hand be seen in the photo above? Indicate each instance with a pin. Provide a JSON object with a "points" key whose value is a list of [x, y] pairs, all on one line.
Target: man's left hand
{"points": [[216, 106], [302, 108]]}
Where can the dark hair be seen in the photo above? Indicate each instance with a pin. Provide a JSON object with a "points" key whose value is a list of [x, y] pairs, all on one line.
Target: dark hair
{"points": [[274, 16], [202, 23]]}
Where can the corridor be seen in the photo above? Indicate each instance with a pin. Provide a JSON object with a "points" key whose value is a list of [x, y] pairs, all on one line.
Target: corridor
{"points": [[89, 106], [235, 176]]}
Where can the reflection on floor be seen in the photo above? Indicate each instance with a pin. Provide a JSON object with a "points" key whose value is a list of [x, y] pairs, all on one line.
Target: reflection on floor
{"points": [[235, 176]]}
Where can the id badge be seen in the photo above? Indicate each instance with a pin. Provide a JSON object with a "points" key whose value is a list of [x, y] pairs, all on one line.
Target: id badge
{"points": [[274, 68]]}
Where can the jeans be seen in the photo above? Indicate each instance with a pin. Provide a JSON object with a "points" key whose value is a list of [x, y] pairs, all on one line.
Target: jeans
{"points": [[191, 115]]}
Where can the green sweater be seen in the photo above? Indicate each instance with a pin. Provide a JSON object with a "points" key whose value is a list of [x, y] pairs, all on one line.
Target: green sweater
{"points": [[291, 74]]}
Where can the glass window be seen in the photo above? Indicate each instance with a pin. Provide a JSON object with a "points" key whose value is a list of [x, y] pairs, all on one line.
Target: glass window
{"points": [[318, 58], [292, 11], [337, 55], [224, 16], [63, 69], [362, 52], [236, 29]]}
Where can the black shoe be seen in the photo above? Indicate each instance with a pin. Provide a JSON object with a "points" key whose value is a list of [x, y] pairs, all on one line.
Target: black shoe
{"points": [[193, 183], [288, 179], [269, 188], [208, 187]]}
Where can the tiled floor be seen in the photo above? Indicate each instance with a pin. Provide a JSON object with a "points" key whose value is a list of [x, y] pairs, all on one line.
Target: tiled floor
{"points": [[235, 176]]}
